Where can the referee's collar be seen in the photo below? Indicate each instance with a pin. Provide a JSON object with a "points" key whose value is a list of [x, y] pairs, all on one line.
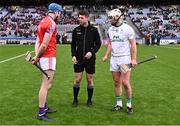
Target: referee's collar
{"points": [[89, 24]]}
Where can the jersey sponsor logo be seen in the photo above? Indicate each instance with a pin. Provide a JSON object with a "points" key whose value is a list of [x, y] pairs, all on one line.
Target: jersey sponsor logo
{"points": [[117, 39]]}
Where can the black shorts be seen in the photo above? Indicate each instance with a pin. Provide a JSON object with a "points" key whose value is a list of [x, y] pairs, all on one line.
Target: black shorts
{"points": [[88, 65]]}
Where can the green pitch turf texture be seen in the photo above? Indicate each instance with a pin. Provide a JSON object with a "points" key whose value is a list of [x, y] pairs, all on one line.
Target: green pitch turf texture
{"points": [[156, 90]]}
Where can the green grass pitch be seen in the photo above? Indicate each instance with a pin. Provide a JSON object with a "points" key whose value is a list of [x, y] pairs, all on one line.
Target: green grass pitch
{"points": [[156, 90]]}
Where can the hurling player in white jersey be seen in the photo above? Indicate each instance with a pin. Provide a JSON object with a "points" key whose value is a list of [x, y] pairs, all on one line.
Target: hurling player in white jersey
{"points": [[122, 46]]}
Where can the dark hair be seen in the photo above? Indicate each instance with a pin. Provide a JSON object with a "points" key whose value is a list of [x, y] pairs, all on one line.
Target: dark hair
{"points": [[84, 12]]}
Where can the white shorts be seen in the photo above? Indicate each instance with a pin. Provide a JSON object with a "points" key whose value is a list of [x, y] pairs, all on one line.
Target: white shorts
{"points": [[115, 61], [48, 63]]}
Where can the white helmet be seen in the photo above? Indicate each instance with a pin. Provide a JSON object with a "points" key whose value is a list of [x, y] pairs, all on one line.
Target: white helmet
{"points": [[114, 13], [116, 17]]}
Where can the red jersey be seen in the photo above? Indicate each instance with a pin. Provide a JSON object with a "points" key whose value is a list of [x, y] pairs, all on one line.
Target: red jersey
{"points": [[47, 25]]}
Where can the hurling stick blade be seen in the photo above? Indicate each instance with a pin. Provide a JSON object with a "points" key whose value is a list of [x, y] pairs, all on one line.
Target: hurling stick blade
{"points": [[28, 56]]}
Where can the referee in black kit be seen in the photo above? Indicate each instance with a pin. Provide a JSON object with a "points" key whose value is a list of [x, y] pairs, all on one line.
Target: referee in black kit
{"points": [[85, 43]]}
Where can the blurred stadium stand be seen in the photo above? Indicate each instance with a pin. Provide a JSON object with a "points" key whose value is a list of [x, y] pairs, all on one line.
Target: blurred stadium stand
{"points": [[149, 21]]}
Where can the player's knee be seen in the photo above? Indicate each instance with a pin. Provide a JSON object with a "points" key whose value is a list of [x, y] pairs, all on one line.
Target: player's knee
{"points": [[126, 85], [117, 84], [78, 80], [89, 79], [126, 82]]}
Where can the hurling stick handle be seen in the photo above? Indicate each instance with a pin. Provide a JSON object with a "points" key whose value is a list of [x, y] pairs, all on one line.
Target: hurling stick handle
{"points": [[143, 61], [146, 60], [42, 70]]}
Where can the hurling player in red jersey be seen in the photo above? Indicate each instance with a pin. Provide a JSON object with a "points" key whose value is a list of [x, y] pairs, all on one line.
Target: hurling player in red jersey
{"points": [[45, 54]]}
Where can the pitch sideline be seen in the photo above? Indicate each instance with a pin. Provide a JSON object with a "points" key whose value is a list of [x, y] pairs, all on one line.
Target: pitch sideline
{"points": [[15, 57], [169, 47]]}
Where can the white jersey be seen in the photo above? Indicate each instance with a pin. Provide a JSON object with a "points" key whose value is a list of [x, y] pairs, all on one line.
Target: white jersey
{"points": [[119, 37]]}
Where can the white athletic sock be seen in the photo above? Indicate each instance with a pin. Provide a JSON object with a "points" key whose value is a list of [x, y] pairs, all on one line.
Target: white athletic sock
{"points": [[119, 100], [128, 103], [119, 103]]}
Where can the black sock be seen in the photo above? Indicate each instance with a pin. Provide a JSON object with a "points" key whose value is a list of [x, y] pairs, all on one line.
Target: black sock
{"points": [[90, 93], [76, 92]]}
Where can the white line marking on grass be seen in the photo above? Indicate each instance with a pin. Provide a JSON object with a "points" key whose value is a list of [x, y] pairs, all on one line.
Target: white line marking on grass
{"points": [[15, 57], [167, 47]]}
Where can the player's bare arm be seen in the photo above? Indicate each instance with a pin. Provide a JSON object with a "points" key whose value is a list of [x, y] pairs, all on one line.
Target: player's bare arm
{"points": [[108, 51], [133, 52], [42, 48], [36, 45]]}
